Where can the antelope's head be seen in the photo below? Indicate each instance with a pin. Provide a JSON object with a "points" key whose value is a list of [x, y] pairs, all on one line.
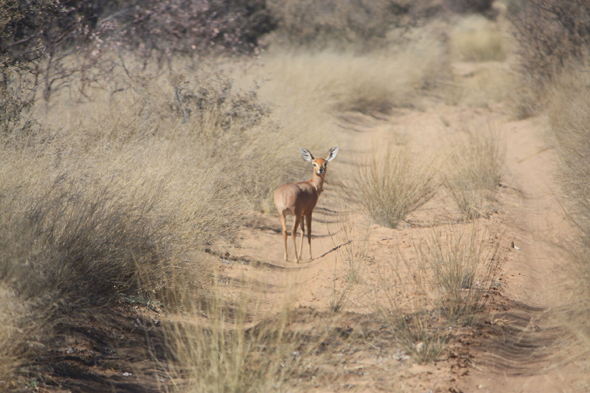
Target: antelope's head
{"points": [[319, 164]]}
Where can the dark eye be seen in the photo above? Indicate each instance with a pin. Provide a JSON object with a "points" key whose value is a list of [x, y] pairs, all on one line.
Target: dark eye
{"points": [[314, 164], [325, 163]]}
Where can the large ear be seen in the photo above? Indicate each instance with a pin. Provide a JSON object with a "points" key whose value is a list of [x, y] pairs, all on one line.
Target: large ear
{"points": [[306, 155], [332, 153]]}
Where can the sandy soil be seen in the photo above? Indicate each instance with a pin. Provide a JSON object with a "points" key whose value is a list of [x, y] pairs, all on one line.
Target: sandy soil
{"points": [[512, 347]]}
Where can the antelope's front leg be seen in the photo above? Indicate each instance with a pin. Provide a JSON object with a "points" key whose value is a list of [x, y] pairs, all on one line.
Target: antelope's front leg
{"points": [[296, 222], [308, 221], [283, 220]]}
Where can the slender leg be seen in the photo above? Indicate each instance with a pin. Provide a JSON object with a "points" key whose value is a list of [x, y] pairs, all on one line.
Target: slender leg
{"points": [[302, 236], [308, 220], [283, 220], [296, 222]]}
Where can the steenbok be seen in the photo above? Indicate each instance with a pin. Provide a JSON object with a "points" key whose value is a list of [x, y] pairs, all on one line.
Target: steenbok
{"points": [[299, 200]]}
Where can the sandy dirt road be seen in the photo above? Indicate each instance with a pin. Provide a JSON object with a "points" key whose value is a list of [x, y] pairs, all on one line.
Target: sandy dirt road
{"points": [[512, 349]]}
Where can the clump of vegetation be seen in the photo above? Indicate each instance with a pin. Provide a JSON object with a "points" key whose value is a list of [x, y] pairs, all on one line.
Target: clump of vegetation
{"points": [[390, 185], [442, 285], [333, 23], [568, 117], [485, 7], [361, 25], [418, 335], [554, 39], [474, 172], [226, 355], [549, 36], [461, 267], [407, 310], [568, 107]]}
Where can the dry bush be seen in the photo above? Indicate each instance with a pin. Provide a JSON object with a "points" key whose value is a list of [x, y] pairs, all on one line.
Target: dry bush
{"points": [[474, 170], [549, 36], [72, 44], [568, 108], [82, 232], [360, 24], [568, 117], [323, 24], [169, 28], [475, 38], [484, 7], [222, 124], [389, 185], [419, 336], [17, 97], [569, 105], [573, 317]]}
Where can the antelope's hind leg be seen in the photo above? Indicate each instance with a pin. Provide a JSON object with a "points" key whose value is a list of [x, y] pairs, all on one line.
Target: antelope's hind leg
{"points": [[302, 237], [296, 222]]}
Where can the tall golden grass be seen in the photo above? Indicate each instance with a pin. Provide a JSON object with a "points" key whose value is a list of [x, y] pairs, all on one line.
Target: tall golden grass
{"points": [[568, 108], [227, 352], [120, 196]]}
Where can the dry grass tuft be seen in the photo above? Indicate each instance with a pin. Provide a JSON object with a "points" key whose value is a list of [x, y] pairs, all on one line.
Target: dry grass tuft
{"points": [[223, 354], [461, 266], [474, 172], [406, 311], [443, 286], [389, 185], [419, 336]]}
